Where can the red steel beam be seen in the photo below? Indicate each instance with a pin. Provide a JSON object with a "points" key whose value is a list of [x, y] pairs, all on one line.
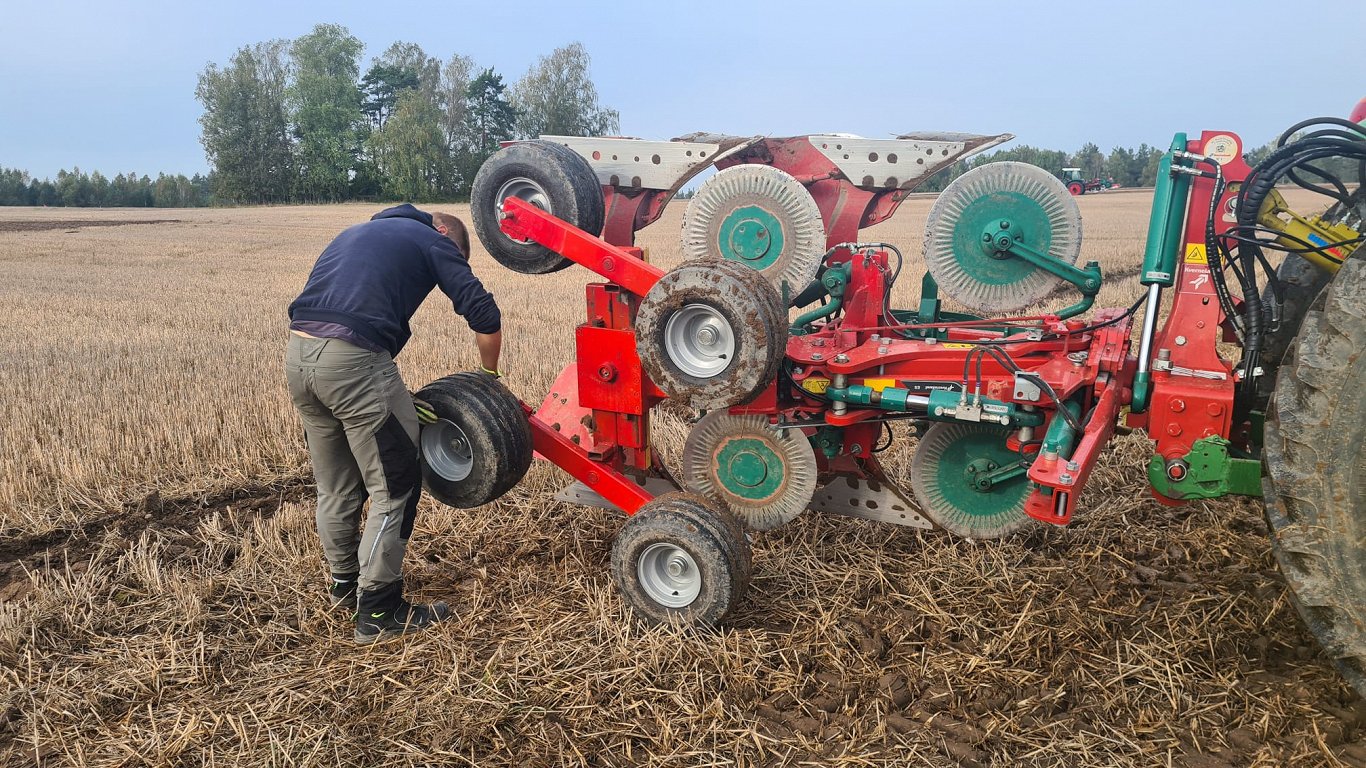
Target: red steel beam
{"points": [[524, 221], [599, 476]]}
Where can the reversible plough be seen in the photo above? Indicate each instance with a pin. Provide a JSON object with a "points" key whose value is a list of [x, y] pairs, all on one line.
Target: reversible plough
{"points": [[780, 331]]}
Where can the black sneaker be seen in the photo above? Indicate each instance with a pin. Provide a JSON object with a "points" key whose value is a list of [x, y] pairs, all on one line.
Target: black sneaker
{"points": [[342, 593], [373, 626]]}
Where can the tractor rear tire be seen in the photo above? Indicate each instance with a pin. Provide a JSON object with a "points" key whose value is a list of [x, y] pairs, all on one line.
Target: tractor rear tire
{"points": [[480, 447], [1301, 285], [550, 176], [1315, 478], [1076, 188], [712, 333], [680, 559]]}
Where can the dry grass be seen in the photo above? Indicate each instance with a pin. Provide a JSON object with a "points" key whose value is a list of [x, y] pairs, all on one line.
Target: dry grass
{"points": [[144, 366]]}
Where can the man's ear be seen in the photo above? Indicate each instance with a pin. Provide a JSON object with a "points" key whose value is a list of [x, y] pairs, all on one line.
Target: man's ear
{"points": [[443, 229]]}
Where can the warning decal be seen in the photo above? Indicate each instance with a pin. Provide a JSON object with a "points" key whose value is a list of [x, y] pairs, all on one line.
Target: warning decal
{"points": [[1195, 253]]}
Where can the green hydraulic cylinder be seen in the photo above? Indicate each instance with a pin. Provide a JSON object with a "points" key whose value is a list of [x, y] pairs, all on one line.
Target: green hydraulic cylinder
{"points": [[1159, 260], [1061, 438], [1167, 219]]}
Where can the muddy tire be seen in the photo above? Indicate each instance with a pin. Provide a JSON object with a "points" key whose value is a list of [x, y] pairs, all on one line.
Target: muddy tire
{"points": [[1315, 478], [681, 560], [711, 334], [550, 176], [480, 446], [1301, 285]]}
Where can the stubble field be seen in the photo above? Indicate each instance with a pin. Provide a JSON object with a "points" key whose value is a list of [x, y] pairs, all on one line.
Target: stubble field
{"points": [[160, 581]]}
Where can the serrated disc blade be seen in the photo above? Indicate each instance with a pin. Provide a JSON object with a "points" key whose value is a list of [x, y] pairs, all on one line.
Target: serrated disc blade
{"points": [[765, 476], [760, 216], [941, 479], [1035, 203]]}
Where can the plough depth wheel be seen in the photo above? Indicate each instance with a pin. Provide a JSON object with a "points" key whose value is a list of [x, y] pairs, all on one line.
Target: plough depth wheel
{"points": [[711, 334], [551, 177], [480, 445], [680, 558]]}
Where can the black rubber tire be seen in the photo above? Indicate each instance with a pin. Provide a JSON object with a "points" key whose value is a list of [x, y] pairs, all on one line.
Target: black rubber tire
{"points": [[747, 302], [721, 522], [569, 183], [1315, 479], [717, 547], [1301, 284], [1076, 188], [496, 428]]}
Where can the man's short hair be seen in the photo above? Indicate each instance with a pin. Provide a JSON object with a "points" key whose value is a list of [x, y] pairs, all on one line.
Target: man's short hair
{"points": [[455, 230]]}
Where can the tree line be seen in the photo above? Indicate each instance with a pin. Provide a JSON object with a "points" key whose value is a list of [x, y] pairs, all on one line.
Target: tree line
{"points": [[297, 121], [76, 188], [1125, 166]]}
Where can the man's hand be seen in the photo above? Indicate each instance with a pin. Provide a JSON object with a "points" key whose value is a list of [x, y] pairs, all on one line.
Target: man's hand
{"points": [[425, 414]]}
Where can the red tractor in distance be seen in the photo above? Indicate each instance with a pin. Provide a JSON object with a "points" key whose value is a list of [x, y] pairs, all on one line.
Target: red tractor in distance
{"points": [[1077, 184]]}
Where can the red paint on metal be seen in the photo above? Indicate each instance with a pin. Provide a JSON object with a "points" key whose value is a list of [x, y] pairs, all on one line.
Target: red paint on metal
{"points": [[1185, 408], [597, 475], [1060, 482], [525, 221]]}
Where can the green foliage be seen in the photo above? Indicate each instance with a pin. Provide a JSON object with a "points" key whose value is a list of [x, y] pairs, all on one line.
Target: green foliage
{"points": [[1128, 167], [75, 188], [556, 97], [409, 150], [381, 87], [325, 105], [245, 126], [490, 117]]}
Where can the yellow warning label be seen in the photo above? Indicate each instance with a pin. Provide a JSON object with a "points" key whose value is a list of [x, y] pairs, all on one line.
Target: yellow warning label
{"points": [[956, 345], [879, 384], [1195, 253], [816, 385]]}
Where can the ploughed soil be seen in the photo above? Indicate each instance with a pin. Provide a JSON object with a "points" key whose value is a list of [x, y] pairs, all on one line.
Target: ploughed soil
{"points": [[40, 225], [194, 631]]}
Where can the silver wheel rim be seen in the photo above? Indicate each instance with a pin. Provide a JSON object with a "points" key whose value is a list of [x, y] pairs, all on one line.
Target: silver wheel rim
{"points": [[669, 575], [526, 190], [699, 340], [447, 450]]}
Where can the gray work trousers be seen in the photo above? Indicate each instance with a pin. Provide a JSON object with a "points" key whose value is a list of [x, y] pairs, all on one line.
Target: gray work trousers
{"points": [[362, 435]]}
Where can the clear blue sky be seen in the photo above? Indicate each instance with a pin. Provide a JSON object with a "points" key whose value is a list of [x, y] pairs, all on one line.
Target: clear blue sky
{"points": [[109, 86]]}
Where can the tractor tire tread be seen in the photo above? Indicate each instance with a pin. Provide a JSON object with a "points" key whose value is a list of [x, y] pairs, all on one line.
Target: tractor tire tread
{"points": [[1315, 479]]}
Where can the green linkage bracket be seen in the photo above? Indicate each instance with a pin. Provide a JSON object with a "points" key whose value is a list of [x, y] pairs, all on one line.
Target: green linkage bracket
{"points": [[1003, 238], [833, 282], [1210, 472], [982, 474], [828, 440]]}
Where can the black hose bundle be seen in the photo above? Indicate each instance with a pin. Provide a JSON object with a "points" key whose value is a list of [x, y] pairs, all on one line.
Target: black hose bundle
{"points": [[1242, 252]]}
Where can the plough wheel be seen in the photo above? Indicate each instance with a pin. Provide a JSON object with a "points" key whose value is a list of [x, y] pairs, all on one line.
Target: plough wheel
{"points": [[1315, 479], [480, 446], [763, 475], [759, 216], [1000, 197], [711, 334], [551, 177], [680, 558], [944, 472]]}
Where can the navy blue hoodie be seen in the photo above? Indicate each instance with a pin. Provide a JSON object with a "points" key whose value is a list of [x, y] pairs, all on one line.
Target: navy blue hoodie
{"points": [[374, 276]]}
